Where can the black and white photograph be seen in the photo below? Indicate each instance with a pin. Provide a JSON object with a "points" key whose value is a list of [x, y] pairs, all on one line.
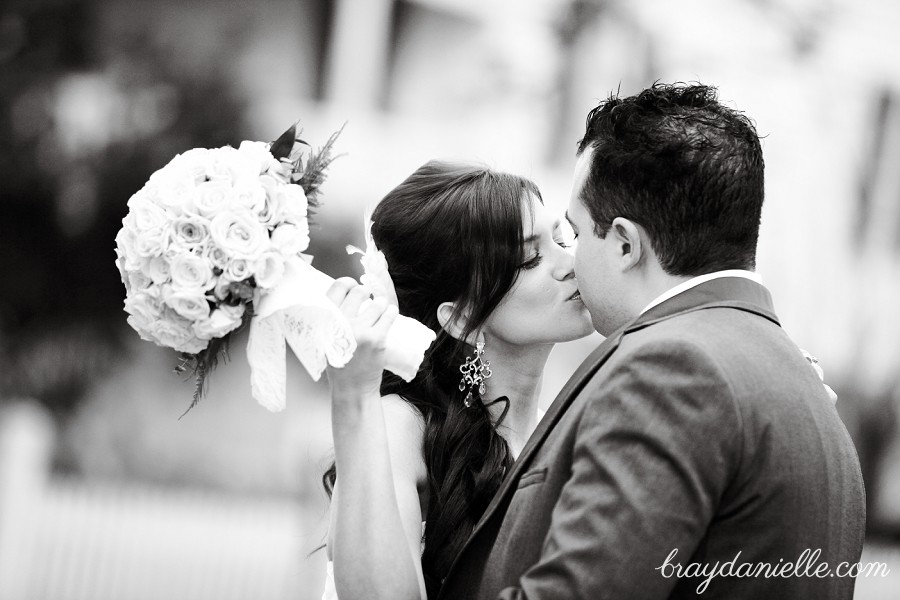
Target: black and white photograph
{"points": [[449, 300]]}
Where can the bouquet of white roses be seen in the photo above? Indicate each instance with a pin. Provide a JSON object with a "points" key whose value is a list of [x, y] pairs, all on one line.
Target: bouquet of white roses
{"points": [[216, 238]]}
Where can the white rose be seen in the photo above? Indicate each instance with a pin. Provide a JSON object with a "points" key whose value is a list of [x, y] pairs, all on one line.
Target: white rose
{"points": [[189, 232], [150, 193], [226, 164], [159, 269], [151, 242], [176, 332], [190, 272], [144, 310], [136, 281], [120, 265], [246, 164], [194, 161], [125, 248], [175, 189], [296, 205], [250, 195], [190, 304], [212, 197], [146, 214], [238, 269], [257, 154], [145, 267], [268, 270], [272, 212], [129, 223], [222, 321], [217, 257], [239, 234], [290, 239]]}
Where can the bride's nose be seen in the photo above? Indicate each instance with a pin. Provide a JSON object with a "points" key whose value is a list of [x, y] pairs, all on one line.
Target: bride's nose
{"points": [[564, 268]]}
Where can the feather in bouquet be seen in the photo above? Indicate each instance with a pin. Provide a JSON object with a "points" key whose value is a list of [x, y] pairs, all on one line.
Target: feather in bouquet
{"points": [[215, 239]]}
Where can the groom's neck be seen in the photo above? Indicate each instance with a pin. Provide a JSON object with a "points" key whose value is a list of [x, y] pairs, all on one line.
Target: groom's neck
{"points": [[651, 284]]}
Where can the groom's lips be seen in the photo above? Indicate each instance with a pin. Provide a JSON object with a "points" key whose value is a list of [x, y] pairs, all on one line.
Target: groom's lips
{"points": [[575, 296]]}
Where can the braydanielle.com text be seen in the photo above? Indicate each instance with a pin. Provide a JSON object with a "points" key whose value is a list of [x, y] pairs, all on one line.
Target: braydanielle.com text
{"points": [[807, 565]]}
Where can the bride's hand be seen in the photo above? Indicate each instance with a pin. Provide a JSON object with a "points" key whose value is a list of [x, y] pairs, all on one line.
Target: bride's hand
{"points": [[369, 320]]}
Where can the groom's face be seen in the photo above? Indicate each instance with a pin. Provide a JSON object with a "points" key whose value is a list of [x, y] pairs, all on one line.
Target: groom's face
{"points": [[595, 257]]}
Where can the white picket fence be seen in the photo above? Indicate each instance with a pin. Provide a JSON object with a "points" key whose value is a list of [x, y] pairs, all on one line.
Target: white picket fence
{"points": [[64, 539]]}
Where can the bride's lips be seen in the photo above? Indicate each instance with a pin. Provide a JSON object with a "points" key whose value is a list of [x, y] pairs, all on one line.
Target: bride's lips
{"points": [[575, 296]]}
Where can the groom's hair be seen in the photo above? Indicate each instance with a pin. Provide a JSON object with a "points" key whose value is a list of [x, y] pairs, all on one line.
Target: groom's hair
{"points": [[683, 166]]}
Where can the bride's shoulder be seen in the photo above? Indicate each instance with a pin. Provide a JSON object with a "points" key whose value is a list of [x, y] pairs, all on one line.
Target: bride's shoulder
{"points": [[405, 430]]}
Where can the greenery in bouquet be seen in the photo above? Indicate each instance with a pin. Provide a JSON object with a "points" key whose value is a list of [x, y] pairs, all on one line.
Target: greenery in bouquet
{"points": [[208, 234]]}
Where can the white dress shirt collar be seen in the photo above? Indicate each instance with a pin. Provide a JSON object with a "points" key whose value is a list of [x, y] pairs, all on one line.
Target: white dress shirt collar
{"points": [[695, 281]]}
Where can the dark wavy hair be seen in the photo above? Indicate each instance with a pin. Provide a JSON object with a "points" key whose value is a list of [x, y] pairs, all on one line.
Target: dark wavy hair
{"points": [[688, 169], [453, 233]]}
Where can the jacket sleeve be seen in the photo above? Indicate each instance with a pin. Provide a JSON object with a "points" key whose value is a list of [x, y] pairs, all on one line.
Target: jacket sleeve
{"points": [[654, 451]]}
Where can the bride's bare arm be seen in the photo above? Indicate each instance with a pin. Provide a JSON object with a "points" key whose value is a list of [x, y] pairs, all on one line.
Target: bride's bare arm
{"points": [[376, 519], [376, 522]]}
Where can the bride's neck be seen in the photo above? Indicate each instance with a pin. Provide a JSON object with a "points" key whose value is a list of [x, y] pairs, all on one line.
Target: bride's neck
{"points": [[517, 373]]}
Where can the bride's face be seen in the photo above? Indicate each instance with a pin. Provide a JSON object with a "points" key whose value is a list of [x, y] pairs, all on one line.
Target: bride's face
{"points": [[543, 305]]}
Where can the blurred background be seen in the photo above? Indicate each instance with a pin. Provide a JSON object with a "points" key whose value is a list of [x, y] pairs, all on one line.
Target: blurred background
{"points": [[106, 493]]}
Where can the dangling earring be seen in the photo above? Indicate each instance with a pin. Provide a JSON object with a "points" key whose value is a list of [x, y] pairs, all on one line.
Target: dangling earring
{"points": [[475, 371]]}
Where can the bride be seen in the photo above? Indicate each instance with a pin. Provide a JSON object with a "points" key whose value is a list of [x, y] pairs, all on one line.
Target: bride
{"points": [[475, 256]]}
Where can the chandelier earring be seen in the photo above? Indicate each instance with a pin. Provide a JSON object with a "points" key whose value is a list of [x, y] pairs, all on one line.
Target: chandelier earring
{"points": [[474, 373]]}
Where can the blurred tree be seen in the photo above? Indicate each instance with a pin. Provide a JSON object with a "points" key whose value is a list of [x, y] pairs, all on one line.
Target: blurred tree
{"points": [[86, 116]]}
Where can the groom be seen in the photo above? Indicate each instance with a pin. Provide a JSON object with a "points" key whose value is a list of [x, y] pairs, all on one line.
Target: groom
{"points": [[695, 453]]}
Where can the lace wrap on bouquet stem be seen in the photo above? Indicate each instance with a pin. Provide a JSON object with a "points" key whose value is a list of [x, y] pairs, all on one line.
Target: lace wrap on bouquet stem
{"points": [[318, 334]]}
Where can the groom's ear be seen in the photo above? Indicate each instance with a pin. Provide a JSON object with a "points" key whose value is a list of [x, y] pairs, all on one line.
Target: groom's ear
{"points": [[452, 320], [630, 239]]}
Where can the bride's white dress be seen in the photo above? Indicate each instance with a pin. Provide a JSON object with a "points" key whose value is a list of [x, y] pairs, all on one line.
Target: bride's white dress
{"points": [[330, 592]]}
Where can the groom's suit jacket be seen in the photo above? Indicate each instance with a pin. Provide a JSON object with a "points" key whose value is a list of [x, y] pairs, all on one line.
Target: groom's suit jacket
{"points": [[698, 432]]}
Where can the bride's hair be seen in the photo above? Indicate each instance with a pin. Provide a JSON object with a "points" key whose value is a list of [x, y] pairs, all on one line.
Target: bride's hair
{"points": [[451, 232]]}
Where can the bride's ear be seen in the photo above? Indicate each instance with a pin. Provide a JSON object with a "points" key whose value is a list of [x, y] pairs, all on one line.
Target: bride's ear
{"points": [[451, 320]]}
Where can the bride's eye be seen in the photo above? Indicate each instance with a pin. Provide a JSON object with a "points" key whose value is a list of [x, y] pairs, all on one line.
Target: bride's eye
{"points": [[532, 262]]}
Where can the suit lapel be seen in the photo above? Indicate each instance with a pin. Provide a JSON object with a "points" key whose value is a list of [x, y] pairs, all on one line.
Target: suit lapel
{"points": [[584, 373], [727, 292]]}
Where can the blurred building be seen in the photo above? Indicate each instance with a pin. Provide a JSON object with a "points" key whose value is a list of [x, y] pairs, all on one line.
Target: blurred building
{"points": [[97, 95]]}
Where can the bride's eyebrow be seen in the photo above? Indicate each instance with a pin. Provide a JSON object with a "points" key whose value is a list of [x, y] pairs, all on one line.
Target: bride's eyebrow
{"points": [[536, 235]]}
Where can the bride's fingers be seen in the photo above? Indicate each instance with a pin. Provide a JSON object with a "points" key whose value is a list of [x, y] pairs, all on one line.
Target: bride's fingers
{"points": [[354, 300], [371, 311], [339, 289], [385, 319]]}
